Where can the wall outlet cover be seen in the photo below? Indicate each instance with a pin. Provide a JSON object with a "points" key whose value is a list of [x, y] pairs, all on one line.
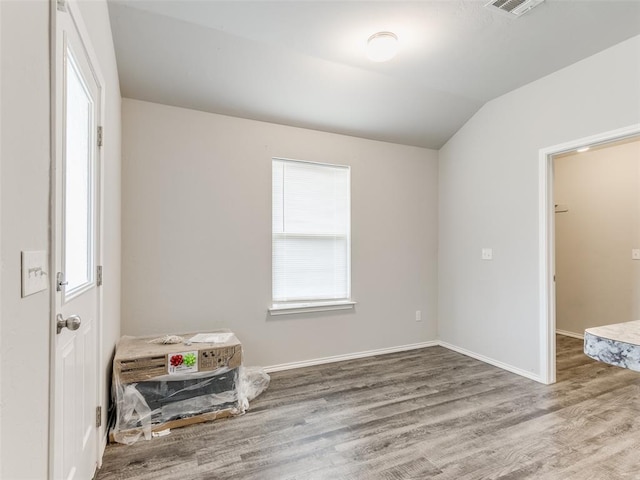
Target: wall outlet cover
{"points": [[635, 254], [487, 254], [35, 272]]}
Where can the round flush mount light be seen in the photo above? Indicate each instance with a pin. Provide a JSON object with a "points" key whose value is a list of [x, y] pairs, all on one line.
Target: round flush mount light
{"points": [[382, 46]]}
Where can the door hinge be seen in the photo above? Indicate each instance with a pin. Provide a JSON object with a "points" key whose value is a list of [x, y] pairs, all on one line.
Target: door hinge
{"points": [[99, 276], [100, 136], [98, 416], [61, 5]]}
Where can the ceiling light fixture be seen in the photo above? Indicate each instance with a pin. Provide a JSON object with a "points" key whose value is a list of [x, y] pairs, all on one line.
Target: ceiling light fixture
{"points": [[382, 46], [583, 149]]}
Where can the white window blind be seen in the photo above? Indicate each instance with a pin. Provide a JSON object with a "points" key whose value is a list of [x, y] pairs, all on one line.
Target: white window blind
{"points": [[311, 228]]}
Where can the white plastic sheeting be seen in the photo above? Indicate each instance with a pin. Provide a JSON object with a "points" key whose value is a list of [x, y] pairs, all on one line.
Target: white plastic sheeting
{"points": [[141, 406]]}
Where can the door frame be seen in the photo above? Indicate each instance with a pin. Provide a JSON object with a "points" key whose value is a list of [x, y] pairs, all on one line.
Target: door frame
{"points": [[547, 240], [72, 8]]}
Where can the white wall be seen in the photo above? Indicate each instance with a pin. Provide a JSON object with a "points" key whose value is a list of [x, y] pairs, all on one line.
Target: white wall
{"points": [[24, 214], [96, 18], [488, 185], [597, 282], [1, 272], [24, 349], [197, 234]]}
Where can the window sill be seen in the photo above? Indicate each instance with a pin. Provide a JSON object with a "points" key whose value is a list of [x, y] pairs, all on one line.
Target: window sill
{"points": [[308, 307]]}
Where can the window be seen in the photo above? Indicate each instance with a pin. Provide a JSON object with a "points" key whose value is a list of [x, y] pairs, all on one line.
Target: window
{"points": [[310, 235], [79, 180]]}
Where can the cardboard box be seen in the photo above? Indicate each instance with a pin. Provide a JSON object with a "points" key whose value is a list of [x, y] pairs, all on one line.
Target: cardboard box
{"points": [[158, 386], [136, 359]]}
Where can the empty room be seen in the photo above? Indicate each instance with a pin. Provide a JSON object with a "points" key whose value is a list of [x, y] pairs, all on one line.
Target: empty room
{"points": [[319, 239]]}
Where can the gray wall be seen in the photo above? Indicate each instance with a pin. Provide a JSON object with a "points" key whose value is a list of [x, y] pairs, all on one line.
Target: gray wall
{"points": [[597, 282], [489, 198], [24, 215], [197, 234]]}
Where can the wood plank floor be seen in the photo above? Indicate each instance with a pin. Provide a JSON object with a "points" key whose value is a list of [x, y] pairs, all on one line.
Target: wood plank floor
{"points": [[423, 414]]}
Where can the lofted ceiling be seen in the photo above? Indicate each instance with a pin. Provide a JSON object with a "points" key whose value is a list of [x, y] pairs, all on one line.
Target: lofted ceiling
{"points": [[303, 63]]}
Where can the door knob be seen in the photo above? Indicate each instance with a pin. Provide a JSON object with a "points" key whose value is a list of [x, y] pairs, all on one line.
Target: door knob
{"points": [[72, 322]]}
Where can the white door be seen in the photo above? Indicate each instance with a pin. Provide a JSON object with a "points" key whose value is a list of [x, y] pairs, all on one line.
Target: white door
{"points": [[75, 252]]}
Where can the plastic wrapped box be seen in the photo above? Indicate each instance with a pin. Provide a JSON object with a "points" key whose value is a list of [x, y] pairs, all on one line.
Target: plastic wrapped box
{"points": [[159, 386]]}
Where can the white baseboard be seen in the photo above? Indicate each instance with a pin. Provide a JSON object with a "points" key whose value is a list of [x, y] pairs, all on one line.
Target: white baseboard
{"points": [[103, 446], [570, 334], [402, 348], [349, 356], [491, 361]]}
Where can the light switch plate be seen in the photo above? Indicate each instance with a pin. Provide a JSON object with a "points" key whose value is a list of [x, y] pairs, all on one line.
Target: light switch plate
{"points": [[35, 272], [635, 254], [487, 254]]}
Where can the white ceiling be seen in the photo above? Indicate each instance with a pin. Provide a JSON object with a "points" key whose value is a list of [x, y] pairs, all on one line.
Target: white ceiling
{"points": [[302, 63]]}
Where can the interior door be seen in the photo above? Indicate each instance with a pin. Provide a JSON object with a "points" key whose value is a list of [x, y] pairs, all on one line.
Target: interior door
{"points": [[75, 251]]}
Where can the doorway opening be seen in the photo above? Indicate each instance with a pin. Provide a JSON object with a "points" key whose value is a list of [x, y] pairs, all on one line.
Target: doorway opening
{"points": [[550, 208]]}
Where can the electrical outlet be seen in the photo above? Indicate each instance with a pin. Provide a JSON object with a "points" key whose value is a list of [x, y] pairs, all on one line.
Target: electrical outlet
{"points": [[635, 254], [418, 316], [487, 254]]}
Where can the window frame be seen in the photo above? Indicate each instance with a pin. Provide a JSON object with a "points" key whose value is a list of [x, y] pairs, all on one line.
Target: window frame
{"points": [[318, 304], [71, 63]]}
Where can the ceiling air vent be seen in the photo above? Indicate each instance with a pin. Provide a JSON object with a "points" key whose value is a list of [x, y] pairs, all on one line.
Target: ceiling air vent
{"points": [[513, 7]]}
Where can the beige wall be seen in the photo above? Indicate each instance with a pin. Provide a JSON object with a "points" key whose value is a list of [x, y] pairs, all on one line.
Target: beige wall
{"points": [[197, 234], [24, 213], [597, 282], [489, 197]]}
